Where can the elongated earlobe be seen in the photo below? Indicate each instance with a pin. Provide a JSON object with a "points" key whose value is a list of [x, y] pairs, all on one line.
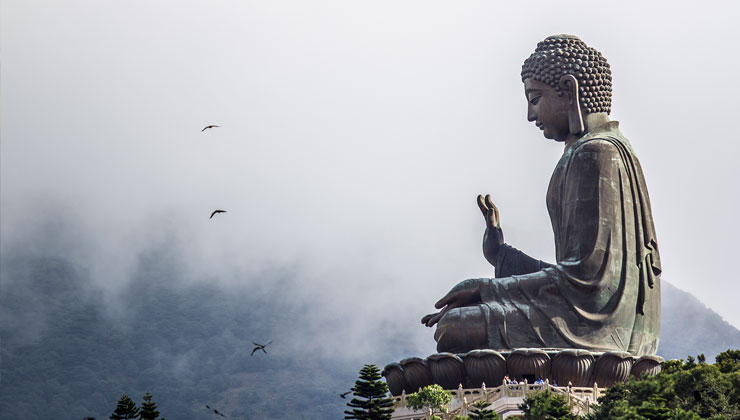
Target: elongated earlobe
{"points": [[569, 84]]}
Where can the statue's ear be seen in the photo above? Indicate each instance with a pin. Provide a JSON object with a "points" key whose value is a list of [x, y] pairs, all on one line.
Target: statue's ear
{"points": [[569, 84]]}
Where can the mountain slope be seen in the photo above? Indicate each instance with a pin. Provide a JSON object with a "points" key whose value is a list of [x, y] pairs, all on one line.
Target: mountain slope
{"points": [[64, 353], [688, 327]]}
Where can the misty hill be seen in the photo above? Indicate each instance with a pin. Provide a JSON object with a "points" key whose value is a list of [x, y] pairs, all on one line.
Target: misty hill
{"points": [[66, 354], [688, 327]]}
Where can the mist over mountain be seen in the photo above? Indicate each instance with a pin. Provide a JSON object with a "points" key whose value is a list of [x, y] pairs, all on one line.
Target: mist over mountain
{"points": [[688, 327], [66, 348], [190, 346]]}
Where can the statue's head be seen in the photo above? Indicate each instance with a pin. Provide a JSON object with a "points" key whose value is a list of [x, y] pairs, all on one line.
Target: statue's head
{"points": [[564, 80]]}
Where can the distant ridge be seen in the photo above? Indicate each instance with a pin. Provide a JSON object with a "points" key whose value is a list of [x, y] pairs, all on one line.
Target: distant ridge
{"points": [[689, 327], [59, 339]]}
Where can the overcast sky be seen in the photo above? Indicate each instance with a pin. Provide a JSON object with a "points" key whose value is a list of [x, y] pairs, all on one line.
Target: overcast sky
{"points": [[354, 136]]}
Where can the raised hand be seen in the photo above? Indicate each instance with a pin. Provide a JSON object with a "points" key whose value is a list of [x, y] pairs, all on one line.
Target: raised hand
{"points": [[493, 238], [466, 293]]}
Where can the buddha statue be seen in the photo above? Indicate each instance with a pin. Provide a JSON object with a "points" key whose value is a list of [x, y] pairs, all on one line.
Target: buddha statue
{"points": [[602, 293]]}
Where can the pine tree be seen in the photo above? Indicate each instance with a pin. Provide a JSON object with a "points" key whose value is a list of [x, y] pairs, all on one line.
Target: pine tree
{"points": [[546, 405], [373, 402], [480, 412], [125, 409], [149, 409]]}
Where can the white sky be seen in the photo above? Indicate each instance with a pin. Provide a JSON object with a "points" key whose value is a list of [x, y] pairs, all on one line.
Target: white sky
{"points": [[355, 135]]}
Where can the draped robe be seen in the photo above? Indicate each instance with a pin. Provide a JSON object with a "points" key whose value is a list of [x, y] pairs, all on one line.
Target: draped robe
{"points": [[603, 293]]}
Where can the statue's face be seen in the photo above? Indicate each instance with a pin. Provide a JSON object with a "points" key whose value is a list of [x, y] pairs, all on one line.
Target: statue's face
{"points": [[548, 110]]}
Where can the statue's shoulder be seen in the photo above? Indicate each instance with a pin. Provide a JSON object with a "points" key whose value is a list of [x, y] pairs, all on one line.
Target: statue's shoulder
{"points": [[595, 145], [605, 140]]}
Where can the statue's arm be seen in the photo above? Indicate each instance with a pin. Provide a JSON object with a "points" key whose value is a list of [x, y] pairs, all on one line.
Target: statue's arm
{"points": [[590, 204], [512, 261]]}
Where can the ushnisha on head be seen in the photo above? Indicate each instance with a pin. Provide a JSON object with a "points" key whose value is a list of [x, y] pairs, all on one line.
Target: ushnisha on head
{"points": [[568, 86], [559, 55]]}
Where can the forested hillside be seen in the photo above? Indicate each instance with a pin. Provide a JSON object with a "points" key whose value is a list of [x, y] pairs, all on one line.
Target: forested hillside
{"points": [[65, 356], [69, 353], [688, 327]]}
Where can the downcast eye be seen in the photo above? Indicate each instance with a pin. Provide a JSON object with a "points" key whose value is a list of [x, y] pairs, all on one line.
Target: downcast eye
{"points": [[534, 100]]}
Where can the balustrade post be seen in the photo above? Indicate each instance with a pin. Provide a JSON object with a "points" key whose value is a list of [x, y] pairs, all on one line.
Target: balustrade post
{"points": [[596, 391]]}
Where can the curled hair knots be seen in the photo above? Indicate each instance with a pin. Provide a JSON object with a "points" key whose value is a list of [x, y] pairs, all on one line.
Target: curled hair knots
{"points": [[558, 55]]}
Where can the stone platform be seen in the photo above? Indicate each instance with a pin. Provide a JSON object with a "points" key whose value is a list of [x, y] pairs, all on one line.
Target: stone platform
{"points": [[503, 399], [574, 367]]}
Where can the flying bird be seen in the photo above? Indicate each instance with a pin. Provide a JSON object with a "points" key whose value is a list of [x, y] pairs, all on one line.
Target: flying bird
{"points": [[215, 411], [215, 212], [260, 347], [345, 394], [209, 126]]}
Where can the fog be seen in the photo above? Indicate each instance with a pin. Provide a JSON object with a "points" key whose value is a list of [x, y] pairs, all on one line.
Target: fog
{"points": [[353, 140]]}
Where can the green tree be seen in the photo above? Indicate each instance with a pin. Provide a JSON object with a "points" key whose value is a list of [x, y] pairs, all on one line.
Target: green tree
{"points": [[481, 412], [546, 405], [685, 391], [149, 409], [728, 361], [125, 409], [373, 402], [430, 398]]}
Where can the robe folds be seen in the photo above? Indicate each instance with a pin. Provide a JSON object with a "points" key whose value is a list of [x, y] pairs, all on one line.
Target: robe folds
{"points": [[603, 292]]}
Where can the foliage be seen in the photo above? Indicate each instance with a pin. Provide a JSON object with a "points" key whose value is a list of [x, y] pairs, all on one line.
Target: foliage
{"points": [[373, 402], [546, 405], [728, 361], [481, 412], [431, 398], [149, 408], [125, 409], [684, 390]]}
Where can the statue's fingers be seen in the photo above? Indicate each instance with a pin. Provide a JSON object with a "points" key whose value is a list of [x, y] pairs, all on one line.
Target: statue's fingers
{"points": [[482, 205], [426, 318], [436, 318], [489, 202], [443, 302], [496, 218], [493, 207], [447, 300], [490, 219]]}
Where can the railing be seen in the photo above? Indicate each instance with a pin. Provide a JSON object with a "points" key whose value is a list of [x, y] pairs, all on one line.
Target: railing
{"points": [[500, 398]]}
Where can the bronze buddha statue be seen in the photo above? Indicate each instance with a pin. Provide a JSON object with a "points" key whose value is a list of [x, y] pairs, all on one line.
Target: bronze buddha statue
{"points": [[603, 291]]}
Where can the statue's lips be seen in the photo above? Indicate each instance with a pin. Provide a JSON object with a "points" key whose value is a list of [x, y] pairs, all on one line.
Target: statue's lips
{"points": [[540, 126]]}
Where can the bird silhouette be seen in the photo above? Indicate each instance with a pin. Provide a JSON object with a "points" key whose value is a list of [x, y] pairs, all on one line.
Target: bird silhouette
{"points": [[215, 212], [345, 394], [209, 126], [260, 347], [215, 411]]}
